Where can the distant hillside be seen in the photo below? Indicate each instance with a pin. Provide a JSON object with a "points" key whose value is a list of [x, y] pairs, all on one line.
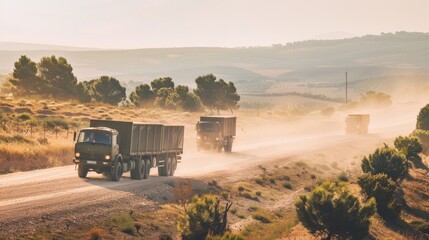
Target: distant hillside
{"points": [[255, 69]]}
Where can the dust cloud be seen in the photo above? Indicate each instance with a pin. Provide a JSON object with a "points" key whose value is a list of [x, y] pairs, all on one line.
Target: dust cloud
{"points": [[266, 136]]}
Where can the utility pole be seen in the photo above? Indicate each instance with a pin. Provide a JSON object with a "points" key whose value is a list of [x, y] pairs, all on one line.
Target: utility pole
{"points": [[346, 89]]}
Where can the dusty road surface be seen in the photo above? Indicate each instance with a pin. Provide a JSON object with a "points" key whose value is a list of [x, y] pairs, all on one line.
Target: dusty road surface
{"points": [[57, 200]]}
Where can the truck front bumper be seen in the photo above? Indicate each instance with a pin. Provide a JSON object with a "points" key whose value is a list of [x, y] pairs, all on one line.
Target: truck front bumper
{"points": [[91, 162]]}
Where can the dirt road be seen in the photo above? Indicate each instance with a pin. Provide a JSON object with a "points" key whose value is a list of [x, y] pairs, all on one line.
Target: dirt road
{"points": [[56, 199]]}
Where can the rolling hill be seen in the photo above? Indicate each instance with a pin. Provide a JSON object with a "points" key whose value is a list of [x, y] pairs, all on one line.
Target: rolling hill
{"points": [[256, 69]]}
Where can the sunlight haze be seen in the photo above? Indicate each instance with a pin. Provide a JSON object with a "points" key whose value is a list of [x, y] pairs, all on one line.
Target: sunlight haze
{"points": [[161, 23]]}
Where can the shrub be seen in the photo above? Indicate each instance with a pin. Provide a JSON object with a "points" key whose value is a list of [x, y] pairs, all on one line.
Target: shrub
{"points": [[240, 188], [259, 181], [383, 189], [287, 185], [56, 122], [423, 118], [124, 222], [331, 211], [410, 147], [262, 217], [24, 117], [343, 177], [248, 196], [95, 233], [386, 160], [202, 216], [253, 208], [15, 139], [423, 136]]}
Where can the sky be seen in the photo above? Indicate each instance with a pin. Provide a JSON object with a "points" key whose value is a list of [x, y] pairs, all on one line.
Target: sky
{"points": [[128, 24]]}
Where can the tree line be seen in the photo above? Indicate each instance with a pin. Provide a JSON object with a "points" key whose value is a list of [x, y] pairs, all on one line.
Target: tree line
{"points": [[54, 77]]}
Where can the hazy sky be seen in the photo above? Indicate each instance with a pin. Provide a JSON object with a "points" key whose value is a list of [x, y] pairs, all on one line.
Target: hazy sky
{"points": [[181, 23]]}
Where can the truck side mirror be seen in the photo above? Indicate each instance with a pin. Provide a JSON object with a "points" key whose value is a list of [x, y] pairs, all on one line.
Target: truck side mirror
{"points": [[118, 140], [74, 136]]}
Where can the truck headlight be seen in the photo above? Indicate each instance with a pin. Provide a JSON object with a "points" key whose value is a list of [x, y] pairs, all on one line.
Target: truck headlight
{"points": [[217, 139], [77, 154], [107, 157], [198, 137]]}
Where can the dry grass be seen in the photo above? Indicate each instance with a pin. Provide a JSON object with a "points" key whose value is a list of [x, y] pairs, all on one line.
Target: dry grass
{"points": [[17, 156]]}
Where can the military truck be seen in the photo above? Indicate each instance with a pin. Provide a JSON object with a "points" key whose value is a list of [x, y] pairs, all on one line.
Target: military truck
{"points": [[357, 123], [114, 147], [216, 132]]}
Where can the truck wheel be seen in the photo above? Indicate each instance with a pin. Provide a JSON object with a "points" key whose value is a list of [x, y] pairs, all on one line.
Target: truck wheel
{"points": [[173, 165], [139, 170], [82, 171], [147, 169], [165, 171], [228, 147], [116, 172]]}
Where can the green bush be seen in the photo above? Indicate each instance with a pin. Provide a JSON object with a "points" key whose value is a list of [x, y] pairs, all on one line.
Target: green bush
{"points": [[423, 136], [343, 177], [331, 211], [423, 118], [124, 222], [15, 139], [386, 160], [24, 117], [287, 185], [262, 217], [383, 189], [202, 216], [55, 122], [411, 148]]}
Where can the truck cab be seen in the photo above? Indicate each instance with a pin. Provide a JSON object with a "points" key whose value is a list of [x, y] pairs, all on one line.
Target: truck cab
{"points": [[96, 149], [209, 135]]}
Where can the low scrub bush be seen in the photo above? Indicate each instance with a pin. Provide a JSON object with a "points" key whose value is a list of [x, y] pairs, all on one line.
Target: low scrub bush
{"points": [[343, 177], [330, 211], [388, 161], [203, 215], [125, 222], [287, 185], [15, 139], [95, 233], [383, 189], [411, 148], [248, 196], [262, 217], [423, 136]]}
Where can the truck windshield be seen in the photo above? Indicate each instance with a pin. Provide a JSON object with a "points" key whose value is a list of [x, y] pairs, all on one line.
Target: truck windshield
{"points": [[208, 127], [92, 136]]}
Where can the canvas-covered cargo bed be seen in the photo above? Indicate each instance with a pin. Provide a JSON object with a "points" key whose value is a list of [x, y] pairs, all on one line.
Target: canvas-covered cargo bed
{"points": [[138, 138], [227, 123]]}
